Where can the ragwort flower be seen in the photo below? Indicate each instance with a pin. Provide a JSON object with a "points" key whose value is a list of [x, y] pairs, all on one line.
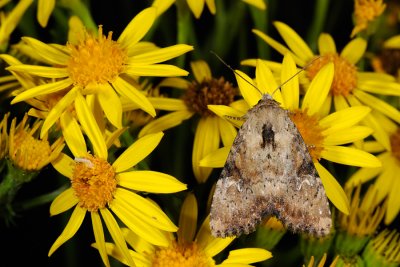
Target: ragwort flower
{"points": [[97, 66], [99, 187], [387, 183], [324, 136], [189, 248]]}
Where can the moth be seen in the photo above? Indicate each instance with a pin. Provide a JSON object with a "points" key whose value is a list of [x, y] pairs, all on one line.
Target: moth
{"points": [[269, 172]]}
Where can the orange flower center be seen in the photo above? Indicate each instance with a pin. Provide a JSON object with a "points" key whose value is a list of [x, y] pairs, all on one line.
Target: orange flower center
{"points": [[94, 182], [395, 144], [345, 78], [181, 256], [96, 60], [310, 130], [208, 92]]}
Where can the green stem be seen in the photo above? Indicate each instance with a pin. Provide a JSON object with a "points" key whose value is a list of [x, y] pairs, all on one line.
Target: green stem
{"points": [[260, 20], [185, 29], [319, 18], [40, 200]]}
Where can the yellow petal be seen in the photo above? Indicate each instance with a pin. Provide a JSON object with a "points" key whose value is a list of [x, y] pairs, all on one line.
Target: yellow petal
{"points": [[326, 44], [43, 89], [144, 209], [175, 82], [290, 90], [41, 71], [260, 4], [99, 237], [343, 119], [139, 259], [160, 55], [63, 165], [143, 229], [137, 28], [70, 229], [204, 234], [318, 90], [211, 6], [187, 220], [63, 202], [168, 104], [227, 131], [73, 135], [340, 102], [378, 105], [206, 140], [137, 151], [350, 156], [265, 80], [216, 159], [157, 70], [216, 245], [354, 50], [150, 181], [363, 175], [247, 88], [393, 205], [44, 9], [278, 47], [379, 87], [111, 105], [52, 55], [126, 89], [248, 255], [196, 6], [116, 234], [165, 122], [162, 5], [348, 135], [57, 110], [137, 243], [200, 69], [294, 41], [231, 114], [333, 190], [90, 127], [113, 137]]}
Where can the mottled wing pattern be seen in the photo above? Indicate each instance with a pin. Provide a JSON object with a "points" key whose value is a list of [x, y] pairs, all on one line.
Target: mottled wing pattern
{"points": [[269, 172]]}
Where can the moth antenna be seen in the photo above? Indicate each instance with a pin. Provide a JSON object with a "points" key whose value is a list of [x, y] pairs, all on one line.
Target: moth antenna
{"points": [[280, 86], [234, 71], [297, 73]]}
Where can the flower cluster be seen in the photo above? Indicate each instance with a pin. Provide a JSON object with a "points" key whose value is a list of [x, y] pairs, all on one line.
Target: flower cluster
{"points": [[131, 126]]}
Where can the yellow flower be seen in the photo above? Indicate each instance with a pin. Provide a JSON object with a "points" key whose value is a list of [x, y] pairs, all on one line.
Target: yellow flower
{"points": [[27, 152], [97, 66], [189, 248], [366, 11], [323, 134], [10, 21], [197, 6], [350, 87], [210, 129], [99, 187], [387, 182]]}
